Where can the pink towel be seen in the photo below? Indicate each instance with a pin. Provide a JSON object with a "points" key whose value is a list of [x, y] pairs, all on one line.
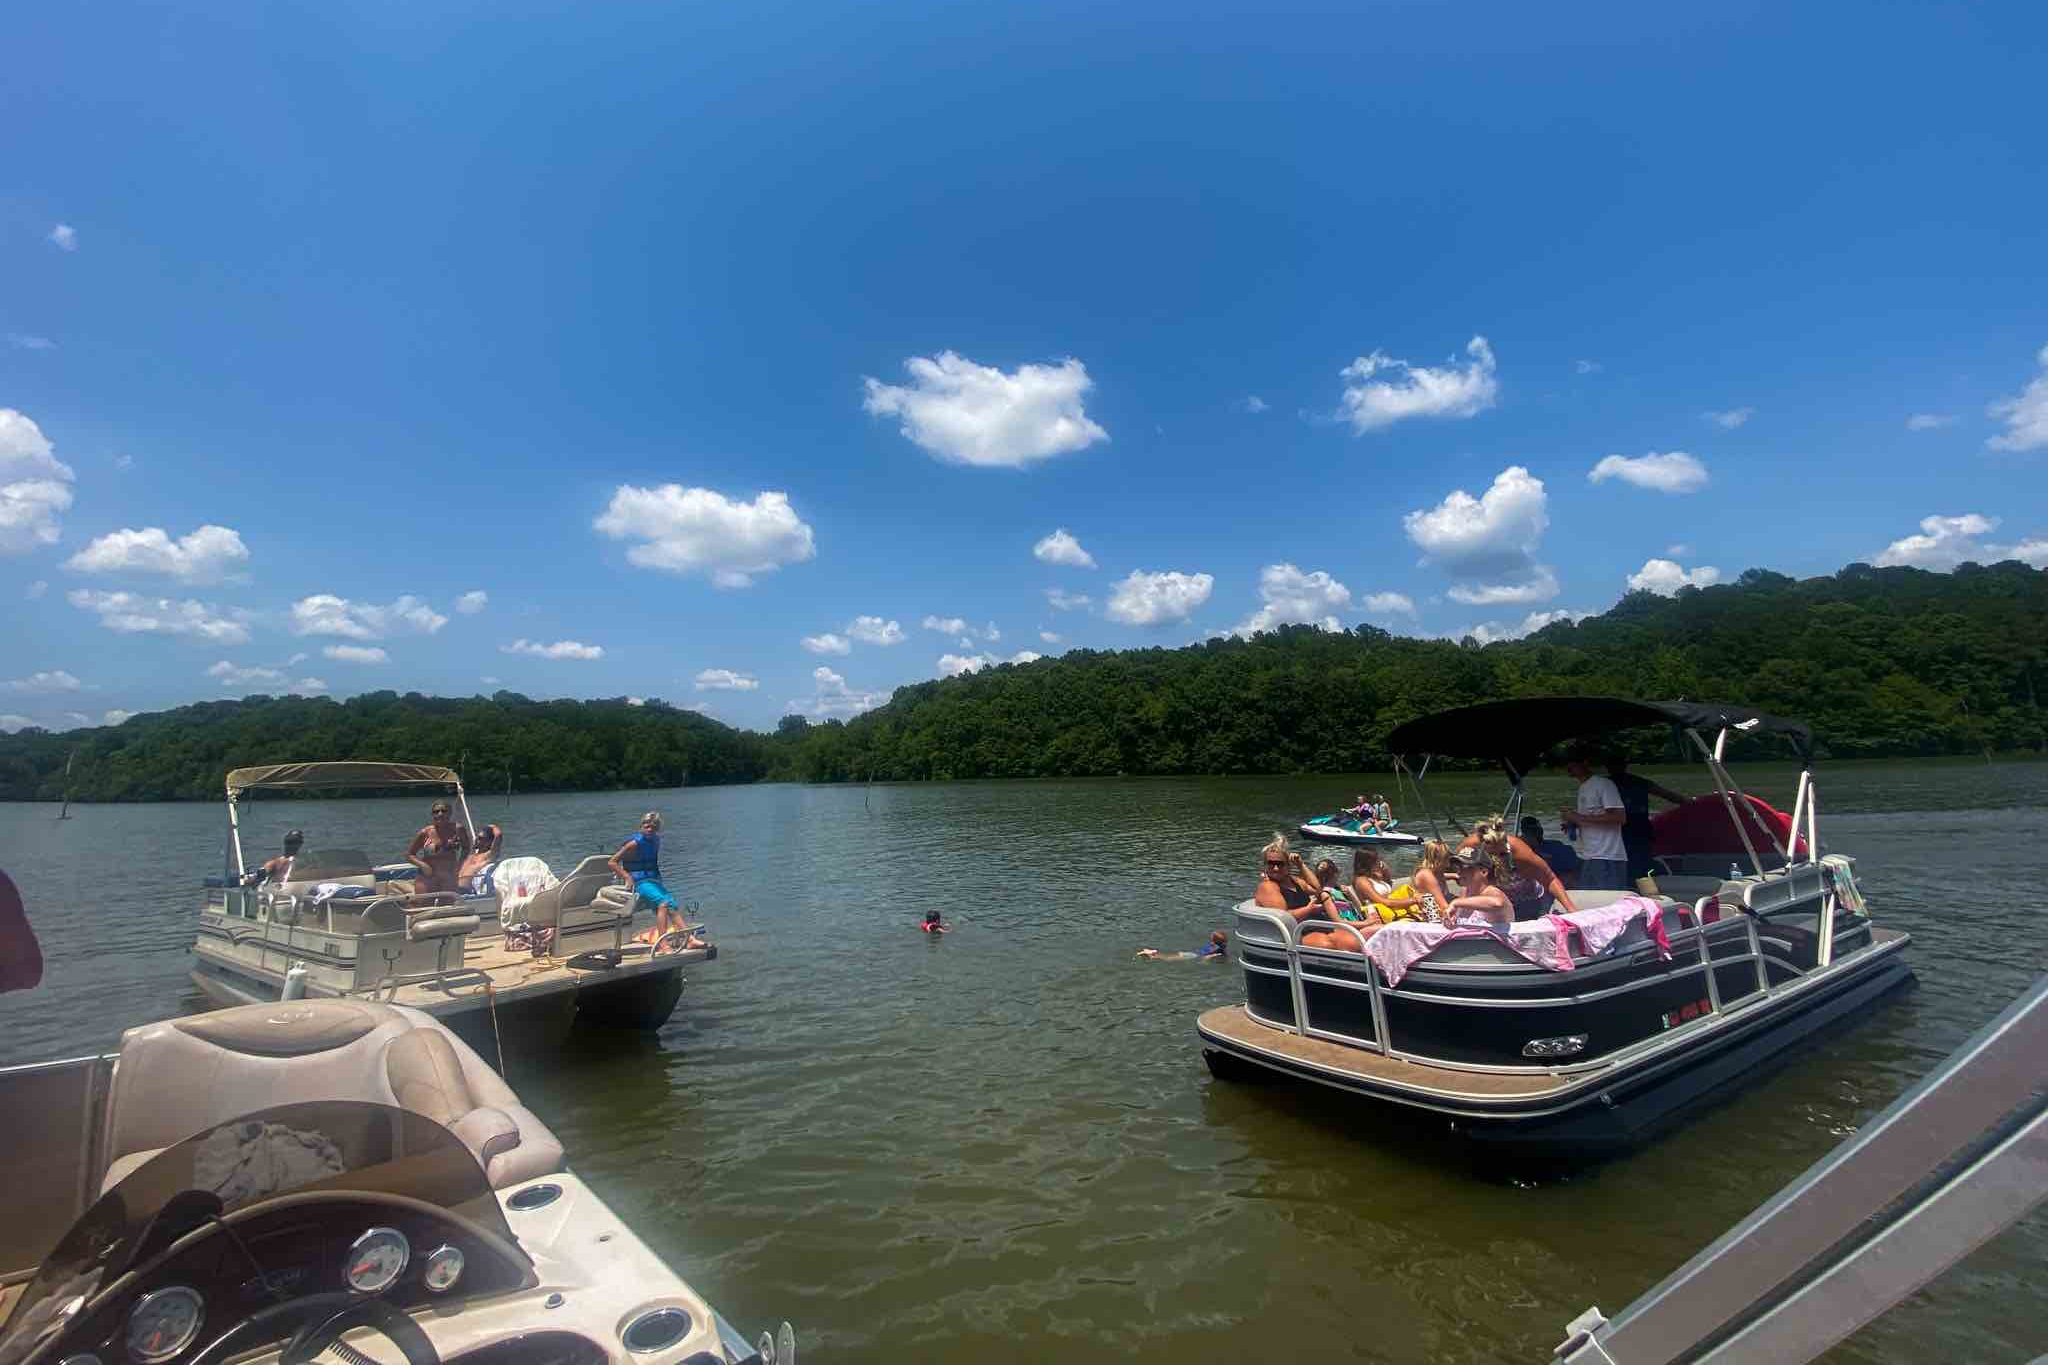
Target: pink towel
{"points": [[1545, 942]]}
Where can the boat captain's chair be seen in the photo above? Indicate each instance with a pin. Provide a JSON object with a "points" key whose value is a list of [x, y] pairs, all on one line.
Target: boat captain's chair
{"points": [[177, 1078], [579, 903]]}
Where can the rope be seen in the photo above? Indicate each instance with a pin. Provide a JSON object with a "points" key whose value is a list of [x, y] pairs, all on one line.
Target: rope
{"points": [[491, 999]]}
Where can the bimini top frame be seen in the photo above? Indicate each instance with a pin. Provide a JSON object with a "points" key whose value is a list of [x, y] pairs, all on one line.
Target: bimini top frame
{"points": [[351, 775], [1519, 731]]}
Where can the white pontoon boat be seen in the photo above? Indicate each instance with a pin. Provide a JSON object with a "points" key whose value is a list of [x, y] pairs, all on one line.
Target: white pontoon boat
{"points": [[1584, 1032], [338, 926], [265, 1183]]}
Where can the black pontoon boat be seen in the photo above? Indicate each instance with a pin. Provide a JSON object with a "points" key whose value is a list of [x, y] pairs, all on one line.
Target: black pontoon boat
{"points": [[1769, 944]]}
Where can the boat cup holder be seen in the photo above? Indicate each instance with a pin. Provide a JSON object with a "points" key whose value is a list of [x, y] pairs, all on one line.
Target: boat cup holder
{"points": [[534, 1197], [657, 1329]]}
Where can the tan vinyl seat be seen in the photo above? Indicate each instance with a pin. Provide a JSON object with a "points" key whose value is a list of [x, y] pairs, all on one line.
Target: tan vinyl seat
{"points": [[578, 902], [179, 1077]]}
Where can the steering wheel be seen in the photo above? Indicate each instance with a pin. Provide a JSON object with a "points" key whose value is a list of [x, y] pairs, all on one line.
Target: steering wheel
{"points": [[321, 1319]]}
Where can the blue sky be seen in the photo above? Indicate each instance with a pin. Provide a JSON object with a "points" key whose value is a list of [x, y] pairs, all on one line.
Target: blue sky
{"points": [[622, 349]]}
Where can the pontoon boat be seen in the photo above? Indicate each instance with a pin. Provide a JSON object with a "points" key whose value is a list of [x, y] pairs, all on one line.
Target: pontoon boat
{"points": [[1587, 1031], [339, 926], [265, 1183]]}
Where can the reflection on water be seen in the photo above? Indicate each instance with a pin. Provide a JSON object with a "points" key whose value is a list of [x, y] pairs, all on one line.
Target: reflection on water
{"points": [[1002, 1145]]}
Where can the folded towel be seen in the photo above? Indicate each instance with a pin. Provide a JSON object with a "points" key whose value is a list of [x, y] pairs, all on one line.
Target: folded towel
{"points": [[339, 891]]}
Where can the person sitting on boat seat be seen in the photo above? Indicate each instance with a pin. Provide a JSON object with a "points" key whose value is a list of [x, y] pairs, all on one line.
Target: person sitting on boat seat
{"points": [[475, 874], [438, 851], [1383, 814], [1372, 886], [1562, 858], [1287, 885], [1332, 881], [1484, 905], [1362, 810], [1215, 950], [1431, 887], [638, 863], [274, 872], [1529, 880]]}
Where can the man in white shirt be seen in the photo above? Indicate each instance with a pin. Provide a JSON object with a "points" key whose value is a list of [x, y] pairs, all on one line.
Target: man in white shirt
{"points": [[1599, 816]]}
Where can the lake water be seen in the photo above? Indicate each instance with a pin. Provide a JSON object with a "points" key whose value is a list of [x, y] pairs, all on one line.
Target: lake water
{"points": [[1003, 1145]]}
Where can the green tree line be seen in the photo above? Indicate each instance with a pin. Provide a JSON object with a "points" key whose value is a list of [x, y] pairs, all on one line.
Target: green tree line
{"points": [[1881, 662]]}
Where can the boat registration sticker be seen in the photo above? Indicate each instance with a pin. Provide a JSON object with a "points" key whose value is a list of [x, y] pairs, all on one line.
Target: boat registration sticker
{"points": [[1687, 1013]]}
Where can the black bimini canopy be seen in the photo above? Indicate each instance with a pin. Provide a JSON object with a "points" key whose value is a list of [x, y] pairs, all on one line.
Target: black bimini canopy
{"points": [[1522, 728]]}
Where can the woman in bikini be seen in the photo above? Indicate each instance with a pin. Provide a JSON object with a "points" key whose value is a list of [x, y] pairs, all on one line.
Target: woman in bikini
{"points": [[1484, 905], [1372, 884], [1523, 874], [437, 851], [1430, 882]]}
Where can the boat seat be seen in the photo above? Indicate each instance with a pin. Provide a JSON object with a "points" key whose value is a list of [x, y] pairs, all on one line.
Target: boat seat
{"points": [[440, 922], [578, 902], [179, 1077], [346, 866]]}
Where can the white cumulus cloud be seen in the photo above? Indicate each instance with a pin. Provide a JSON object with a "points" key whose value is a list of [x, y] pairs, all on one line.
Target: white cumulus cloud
{"points": [[133, 614], [64, 237], [1665, 577], [831, 697], [946, 625], [49, 680], [1929, 421], [1729, 418], [35, 486], [1388, 604], [1061, 548], [325, 614], [1292, 597], [953, 665], [1488, 544], [205, 556], [1670, 472], [873, 630], [1047, 637], [11, 722], [1539, 586], [1371, 403], [1945, 542], [696, 530], [560, 649], [725, 680], [115, 716], [470, 603], [2025, 414], [1151, 599], [356, 654], [827, 643], [972, 414], [237, 675], [1060, 600], [1252, 403]]}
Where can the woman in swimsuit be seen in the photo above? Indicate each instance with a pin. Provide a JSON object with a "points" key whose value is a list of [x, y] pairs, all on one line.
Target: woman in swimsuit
{"points": [[1484, 905], [1287, 886], [1523, 874], [437, 851], [1429, 882], [1372, 883]]}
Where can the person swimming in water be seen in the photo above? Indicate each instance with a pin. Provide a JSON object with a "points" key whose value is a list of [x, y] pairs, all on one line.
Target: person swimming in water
{"points": [[935, 923], [1215, 950]]}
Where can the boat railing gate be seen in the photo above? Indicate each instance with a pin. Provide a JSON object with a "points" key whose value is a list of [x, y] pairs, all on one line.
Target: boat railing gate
{"points": [[1951, 1163], [1278, 932]]}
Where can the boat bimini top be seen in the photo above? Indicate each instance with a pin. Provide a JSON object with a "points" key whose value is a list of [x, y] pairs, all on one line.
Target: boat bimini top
{"points": [[335, 776], [348, 775], [1520, 731]]}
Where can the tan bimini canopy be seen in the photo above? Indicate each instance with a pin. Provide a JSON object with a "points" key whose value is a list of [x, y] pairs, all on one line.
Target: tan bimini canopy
{"points": [[318, 776]]}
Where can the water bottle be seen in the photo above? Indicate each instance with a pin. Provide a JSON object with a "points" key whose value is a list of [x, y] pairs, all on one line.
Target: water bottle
{"points": [[1734, 872]]}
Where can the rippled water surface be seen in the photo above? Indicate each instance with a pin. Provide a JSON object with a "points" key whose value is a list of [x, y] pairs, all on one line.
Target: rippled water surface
{"points": [[1003, 1145]]}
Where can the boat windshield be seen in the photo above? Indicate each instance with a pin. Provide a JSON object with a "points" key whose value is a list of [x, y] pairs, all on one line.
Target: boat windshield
{"points": [[330, 1145]]}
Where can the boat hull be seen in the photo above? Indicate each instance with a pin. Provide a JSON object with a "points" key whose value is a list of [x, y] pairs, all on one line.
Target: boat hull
{"points": [[1583, 1114]]}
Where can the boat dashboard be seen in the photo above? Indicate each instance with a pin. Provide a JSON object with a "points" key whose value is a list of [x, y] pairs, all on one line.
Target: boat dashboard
{"points": [[219, 1285]]}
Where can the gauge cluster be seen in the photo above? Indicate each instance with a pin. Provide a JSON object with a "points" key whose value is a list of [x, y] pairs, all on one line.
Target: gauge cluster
{"points": [[198, 1293]]}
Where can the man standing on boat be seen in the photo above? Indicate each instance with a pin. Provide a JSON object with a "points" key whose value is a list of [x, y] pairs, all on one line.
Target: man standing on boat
{"points": [[1600, 816], [638, 863], [1636, 792]]}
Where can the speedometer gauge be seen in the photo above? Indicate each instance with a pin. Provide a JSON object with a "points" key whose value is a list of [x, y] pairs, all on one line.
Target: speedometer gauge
{"points": [[163, 1324], [376, 1259]]}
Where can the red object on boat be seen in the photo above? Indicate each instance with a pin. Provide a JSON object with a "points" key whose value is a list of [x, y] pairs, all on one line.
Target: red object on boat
{"points": [[21, 957], [1701, 825]]}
